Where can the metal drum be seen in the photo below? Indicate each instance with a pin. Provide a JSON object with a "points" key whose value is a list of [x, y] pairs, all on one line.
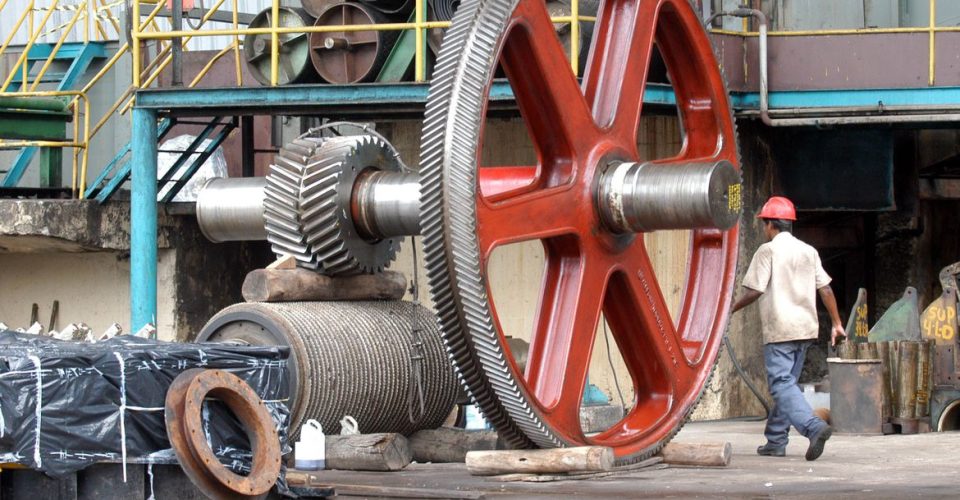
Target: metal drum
{"points": [[316, 7], [389, 7], [345, 57], [350, 358], [294, 65]]}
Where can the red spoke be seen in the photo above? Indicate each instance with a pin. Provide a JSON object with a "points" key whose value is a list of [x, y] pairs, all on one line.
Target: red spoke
{"points": [[616, 74], [640, 319], [497, 182], [545, 87], [700, 313], [537, 215], [687, 51], [564, 329]]}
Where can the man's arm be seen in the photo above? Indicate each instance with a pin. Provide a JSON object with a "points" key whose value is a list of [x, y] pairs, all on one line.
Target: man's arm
{"points": [[749, 297], [826, 295]]}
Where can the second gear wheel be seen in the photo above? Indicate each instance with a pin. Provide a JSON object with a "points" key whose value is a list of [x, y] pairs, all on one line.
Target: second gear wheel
{"points": [[308, 195]]}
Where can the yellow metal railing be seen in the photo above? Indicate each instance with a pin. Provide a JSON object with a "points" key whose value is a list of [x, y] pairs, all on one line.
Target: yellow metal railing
{"points": [[79, 141], [420, 26], [77, 100], [79, 103], [931, 29]]}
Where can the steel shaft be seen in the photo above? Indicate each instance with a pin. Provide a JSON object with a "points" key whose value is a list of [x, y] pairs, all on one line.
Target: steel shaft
{"points": [[635, 197], [632, 197], [387, 204], [232, 209]]}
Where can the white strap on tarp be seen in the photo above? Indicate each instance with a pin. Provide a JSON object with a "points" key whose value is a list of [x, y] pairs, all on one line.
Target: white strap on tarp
{"points": [[150, 473], [123, 409], [36, 444]]}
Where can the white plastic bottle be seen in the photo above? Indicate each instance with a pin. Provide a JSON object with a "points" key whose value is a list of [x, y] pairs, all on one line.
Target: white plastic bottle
{"points": [[309, 453]]}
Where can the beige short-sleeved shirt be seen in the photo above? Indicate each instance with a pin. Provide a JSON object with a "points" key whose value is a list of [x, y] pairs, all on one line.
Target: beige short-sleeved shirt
{"points": [[788, 272]]}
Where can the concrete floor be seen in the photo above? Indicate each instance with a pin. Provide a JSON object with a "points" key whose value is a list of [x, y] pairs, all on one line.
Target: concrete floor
{"points": [[923, 465]]}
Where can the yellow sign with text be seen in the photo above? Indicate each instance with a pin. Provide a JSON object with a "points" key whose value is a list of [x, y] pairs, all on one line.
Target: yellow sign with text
{"points": [[939, 320]]}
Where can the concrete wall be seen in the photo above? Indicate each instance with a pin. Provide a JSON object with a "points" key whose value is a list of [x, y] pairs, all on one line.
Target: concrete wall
{"points": [[92, 288], [77, 252]]}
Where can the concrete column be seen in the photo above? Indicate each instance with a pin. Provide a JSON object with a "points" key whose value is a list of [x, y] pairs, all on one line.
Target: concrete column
{"points": [[143, 220]]}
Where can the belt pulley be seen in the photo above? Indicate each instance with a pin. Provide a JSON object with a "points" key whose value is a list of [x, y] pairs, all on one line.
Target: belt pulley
{"points": [[588, 200]]}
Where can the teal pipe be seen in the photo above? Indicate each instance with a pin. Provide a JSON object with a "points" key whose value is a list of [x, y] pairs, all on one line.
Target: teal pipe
{"points": [[143, 220]]}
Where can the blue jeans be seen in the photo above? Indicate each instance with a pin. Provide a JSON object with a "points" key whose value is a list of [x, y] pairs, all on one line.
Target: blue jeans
{"points": [[784, 362]]}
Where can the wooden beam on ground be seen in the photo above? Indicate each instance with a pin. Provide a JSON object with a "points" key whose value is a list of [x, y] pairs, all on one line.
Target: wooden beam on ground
{"points": [[357, 490], [654, 463], [579, 459], [288, 285], [449, 444], [697, 454], [372, 452]]}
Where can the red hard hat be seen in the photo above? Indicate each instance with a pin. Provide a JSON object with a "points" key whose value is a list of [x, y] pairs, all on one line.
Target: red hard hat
{"points": [[778, 207]]}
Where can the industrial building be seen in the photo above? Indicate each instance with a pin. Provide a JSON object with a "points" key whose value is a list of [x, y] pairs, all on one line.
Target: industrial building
{"points": [[461, 230]]}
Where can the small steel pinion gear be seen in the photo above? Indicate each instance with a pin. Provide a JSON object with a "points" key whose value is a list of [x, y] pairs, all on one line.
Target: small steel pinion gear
{"points": [[307, 210]]}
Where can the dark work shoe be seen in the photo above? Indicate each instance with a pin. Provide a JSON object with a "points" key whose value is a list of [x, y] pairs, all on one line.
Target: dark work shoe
{"points": [[817, 442], [769, 450]]}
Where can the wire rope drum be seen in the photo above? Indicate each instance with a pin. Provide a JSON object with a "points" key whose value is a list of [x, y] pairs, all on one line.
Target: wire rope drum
{"points": [[574, 202], [347, 57], [294, 59], [349, 358]]}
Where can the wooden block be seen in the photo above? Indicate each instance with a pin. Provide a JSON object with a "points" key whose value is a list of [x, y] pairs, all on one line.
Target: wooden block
{"points": [[374, 452], [449, 444], [285, 262], [698, 454], [288, 285], [580, 459]]}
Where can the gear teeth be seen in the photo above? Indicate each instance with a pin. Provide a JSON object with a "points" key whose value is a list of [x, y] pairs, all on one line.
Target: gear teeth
{"points": [[307, 189]]}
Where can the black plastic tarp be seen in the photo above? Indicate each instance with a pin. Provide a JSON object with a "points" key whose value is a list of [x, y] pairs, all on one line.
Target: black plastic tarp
{"points": [[67, 405]]}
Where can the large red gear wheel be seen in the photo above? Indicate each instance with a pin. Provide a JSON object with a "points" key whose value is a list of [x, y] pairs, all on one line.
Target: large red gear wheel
{"points": [[577, 129]]}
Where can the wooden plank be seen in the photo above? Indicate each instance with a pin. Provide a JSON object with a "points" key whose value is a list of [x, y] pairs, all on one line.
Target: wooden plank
{"points": [[654, 463], [284, 262], [372, 452], [579, 459], [286, 285], [449, 444], [698, 454], [351, 490]]}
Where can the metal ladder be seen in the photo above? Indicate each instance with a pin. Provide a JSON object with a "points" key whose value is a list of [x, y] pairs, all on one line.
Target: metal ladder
{"points": [[190, 160]]}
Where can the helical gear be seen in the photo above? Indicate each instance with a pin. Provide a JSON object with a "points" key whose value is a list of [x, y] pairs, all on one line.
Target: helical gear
{"points": [[307, 205]]}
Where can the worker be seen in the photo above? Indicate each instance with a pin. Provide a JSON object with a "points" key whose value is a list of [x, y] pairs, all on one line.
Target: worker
{"points": [[786, 275]]}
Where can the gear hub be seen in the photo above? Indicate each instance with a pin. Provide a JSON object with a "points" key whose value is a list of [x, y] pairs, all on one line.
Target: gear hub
{"points": [[307, 206]]}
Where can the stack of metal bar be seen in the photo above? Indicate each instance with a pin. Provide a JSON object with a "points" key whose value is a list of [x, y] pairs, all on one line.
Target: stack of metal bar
{"points": [[915, 383], [906, 380]]}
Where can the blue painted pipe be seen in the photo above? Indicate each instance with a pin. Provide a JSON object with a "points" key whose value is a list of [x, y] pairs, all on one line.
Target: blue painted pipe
{"points": [[143, 220]]}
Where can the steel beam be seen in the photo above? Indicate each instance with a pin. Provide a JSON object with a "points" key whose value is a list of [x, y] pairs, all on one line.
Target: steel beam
{"points": [[143, 220]]}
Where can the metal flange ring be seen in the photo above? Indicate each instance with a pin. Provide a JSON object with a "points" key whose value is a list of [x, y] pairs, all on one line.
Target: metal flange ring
{"points": [[184, 403]]}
